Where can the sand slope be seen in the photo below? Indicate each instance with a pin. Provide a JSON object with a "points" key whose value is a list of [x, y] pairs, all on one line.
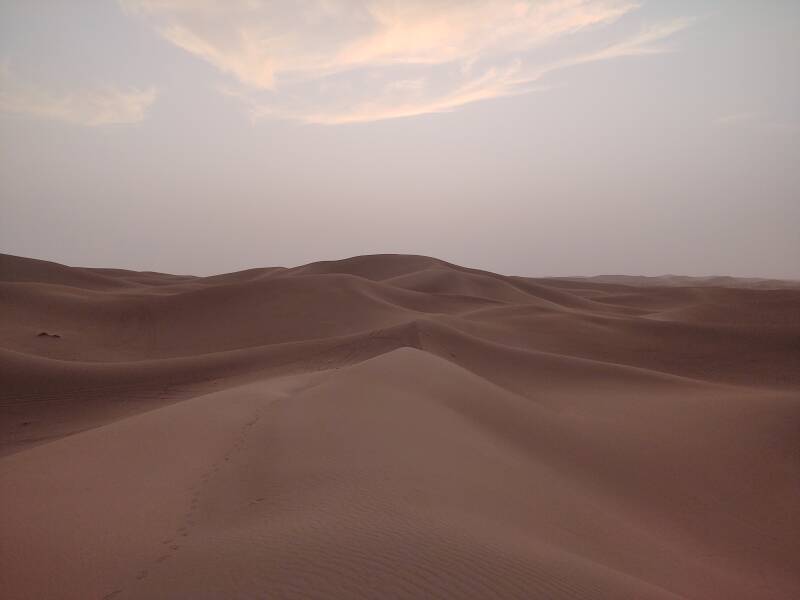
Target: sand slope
{"points": [[395, 427]]}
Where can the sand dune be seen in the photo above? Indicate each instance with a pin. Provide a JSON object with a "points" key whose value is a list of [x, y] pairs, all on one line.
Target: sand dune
{"points": [[684, 281], [396, 427]]}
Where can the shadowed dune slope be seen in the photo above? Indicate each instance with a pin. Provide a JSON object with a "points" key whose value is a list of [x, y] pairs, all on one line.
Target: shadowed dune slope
{"points": [[396, 426]]}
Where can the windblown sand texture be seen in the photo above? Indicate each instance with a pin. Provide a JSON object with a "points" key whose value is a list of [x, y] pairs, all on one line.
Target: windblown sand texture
{"points": [[395, 427]]}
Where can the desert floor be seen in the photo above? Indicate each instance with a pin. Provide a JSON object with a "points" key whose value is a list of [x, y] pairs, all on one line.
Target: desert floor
{"points": [[396, 427]]}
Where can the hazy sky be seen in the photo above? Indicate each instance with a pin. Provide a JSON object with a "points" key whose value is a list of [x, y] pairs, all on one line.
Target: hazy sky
{"points": [[545, 137]]}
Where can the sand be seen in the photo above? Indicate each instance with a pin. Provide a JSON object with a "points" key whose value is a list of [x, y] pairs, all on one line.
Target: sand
{"points": [[396, 427]]}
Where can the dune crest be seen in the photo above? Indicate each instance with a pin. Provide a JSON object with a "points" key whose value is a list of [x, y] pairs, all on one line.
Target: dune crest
{"points": [[395, 426]]}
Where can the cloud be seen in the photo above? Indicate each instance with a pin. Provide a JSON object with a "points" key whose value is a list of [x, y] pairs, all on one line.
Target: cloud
{"points": [[756, 121], [345, 61], [737, 118], [396, 99], [92, 107]]}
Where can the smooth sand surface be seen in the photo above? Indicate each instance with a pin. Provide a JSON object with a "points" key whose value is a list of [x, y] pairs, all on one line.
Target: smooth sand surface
{"points": [[396, 427]]}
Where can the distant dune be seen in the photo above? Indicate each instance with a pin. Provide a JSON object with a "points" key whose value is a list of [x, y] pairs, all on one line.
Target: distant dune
{"points": [[684, 281], [396, 426]]}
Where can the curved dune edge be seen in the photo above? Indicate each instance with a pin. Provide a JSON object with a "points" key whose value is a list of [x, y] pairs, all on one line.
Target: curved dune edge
{"points": [[395, 427]]}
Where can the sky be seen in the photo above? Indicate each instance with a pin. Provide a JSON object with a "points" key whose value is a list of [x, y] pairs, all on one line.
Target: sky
{"points": [[542, 137]]}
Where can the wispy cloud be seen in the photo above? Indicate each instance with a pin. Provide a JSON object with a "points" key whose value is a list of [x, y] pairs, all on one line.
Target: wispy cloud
{"points": [[756, 121], [92, 107], [737, 118], [345, 61]]}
